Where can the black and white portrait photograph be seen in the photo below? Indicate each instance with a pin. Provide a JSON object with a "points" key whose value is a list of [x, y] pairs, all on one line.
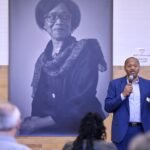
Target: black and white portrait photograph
{"points": [[59, 62]]}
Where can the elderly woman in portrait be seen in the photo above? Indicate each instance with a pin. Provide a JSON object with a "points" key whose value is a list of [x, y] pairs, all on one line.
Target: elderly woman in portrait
{"points": [[66, 73]]}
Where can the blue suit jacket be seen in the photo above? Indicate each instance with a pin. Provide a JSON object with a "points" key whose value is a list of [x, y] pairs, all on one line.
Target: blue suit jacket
{"points": [[120, 109]]}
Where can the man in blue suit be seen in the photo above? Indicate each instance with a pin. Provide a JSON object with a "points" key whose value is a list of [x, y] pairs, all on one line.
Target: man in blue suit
{"points": [[128, 98]]}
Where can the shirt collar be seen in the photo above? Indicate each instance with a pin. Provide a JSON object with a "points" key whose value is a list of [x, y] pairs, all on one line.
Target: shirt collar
{"points": [[135, 81]]}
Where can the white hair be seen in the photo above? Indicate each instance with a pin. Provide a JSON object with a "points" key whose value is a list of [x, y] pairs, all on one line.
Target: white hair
{"points": [[9, 116]]}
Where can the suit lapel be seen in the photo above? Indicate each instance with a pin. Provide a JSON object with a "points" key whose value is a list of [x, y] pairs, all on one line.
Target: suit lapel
{"points": [[123, 84]]}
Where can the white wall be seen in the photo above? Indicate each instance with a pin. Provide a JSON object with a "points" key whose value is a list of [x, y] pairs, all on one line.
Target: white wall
{"points": [[131, 31], [3, 32]]}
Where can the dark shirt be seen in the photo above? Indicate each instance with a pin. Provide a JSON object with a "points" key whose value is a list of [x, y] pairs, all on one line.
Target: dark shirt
{"points": [[66, 86]]}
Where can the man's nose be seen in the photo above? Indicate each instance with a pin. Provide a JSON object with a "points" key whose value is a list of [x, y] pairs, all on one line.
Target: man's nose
{"points": [[132, 68]]}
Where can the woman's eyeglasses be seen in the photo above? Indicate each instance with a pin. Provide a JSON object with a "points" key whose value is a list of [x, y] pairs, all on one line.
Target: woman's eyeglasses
{"points": [[65, 17]]}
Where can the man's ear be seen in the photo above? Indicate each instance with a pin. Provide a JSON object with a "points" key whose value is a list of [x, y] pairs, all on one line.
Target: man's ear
{"points": [[18, 124]]}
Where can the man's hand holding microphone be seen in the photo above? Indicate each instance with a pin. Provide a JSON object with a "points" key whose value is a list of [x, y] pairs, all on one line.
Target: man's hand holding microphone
{"points": [[128, 88]]}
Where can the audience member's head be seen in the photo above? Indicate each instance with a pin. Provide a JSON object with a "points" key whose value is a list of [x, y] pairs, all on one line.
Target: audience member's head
{"points": [[101, 145], [140, 142], [10, 118], [91, 129]]}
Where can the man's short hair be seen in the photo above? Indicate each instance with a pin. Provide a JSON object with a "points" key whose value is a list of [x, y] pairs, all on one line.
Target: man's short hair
{"points": [[9, 116]]}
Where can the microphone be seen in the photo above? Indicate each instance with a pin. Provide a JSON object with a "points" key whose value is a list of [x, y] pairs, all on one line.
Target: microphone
{"points": [[131, 78]]}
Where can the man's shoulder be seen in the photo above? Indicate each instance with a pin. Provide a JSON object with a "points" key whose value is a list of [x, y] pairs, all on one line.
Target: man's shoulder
{"points": [[118, 79], [13, 146], [21, 147], [144, 79], [147, 81]]}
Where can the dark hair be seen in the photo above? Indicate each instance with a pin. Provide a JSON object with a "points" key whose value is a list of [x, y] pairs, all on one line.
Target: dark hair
{"points": [[44, 6], [126, 61], [91, 128]]}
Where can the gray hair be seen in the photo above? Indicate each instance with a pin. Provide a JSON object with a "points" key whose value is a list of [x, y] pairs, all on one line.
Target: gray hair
{"points": [[9, 116], [140, 142]]}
